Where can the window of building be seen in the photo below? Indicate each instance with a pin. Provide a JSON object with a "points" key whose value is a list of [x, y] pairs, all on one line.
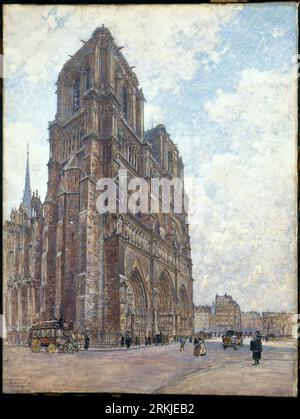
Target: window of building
{"points": [[76, 95], [87, 77], [170, 161], [125, 102], [103, 60]]}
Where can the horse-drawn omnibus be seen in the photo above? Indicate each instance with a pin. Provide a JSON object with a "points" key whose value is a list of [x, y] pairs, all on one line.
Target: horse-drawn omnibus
{"points": [[52, 336], [232, 339]]}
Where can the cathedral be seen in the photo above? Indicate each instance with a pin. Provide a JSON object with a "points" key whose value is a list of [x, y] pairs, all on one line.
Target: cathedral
{"points": [[106, 274]]}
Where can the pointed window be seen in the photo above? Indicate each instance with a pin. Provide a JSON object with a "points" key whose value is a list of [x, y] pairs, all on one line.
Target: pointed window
{"points": [[125, 102], [76, 95], [138, 119], [87, 77], [103, 68], [170, 162]]}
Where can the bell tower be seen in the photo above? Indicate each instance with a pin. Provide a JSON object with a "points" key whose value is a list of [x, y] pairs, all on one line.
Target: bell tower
{"points": [[97, 95]]}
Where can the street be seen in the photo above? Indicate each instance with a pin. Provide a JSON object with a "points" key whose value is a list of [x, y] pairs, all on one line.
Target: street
{"points": [[155, 369]]}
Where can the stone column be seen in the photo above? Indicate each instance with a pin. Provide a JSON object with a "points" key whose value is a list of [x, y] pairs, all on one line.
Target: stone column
{"points": [[95, 71], [33, 299], [19, 312], [111, 67], [123, 292], [9, 302], [177, 324], [133, 111], [174, 325], [29, 307], [13, 309], [155, 312]]}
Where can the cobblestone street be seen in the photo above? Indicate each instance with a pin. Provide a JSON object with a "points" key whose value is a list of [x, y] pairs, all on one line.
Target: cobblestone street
{"points": [[154, 369]]}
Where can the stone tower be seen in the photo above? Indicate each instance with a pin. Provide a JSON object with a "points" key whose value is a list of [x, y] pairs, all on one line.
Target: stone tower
{"points": [[111, 273]]}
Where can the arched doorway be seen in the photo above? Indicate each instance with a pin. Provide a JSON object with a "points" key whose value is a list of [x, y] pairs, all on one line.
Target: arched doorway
{"points": [[165, 306], [184, 311], [136, 306]]}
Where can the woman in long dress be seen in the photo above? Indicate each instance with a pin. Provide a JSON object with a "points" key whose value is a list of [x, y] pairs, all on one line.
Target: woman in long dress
{"points": [[196, 347], [202, 347]]}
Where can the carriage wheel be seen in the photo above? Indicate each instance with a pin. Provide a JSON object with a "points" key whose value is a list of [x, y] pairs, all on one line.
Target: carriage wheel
{"points": [[35, 346], [51, 348]]}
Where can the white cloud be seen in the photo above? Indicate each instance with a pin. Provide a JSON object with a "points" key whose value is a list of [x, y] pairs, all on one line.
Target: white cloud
{"points": [[16, 137], [163, 45], [248, 230], [278, 32]]}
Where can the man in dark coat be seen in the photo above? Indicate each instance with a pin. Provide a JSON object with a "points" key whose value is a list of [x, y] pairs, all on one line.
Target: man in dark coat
{"points": [[128, 342], [182, 343], [122, 341], [256, 348], [86, 341]]}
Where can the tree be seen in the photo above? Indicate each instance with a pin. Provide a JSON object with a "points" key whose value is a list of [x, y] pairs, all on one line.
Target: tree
{"points": [[285, 323], [268, 323]]}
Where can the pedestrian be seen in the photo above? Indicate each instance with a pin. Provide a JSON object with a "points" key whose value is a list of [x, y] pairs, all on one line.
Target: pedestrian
{"points": [[256, 347], [86, 341], [122, 341], [149, 340], [202, 347], [196, 344], [128, 342], [136, 341], [146, 340], [61, 322], [182, 343]]}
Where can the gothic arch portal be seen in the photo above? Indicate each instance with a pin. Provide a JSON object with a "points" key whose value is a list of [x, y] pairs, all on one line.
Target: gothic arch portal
{"points": [[165, 304], [136, 310]]}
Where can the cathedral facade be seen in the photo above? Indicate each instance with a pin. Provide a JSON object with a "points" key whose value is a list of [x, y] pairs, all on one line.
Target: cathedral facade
{"points": [[22, 258], [107, 274]]}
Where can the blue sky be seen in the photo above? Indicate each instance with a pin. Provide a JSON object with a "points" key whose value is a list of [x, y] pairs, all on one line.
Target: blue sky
{"points": [[223, 81]]}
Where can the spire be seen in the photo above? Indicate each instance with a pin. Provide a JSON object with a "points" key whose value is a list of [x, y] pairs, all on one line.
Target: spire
{"points": [[27, 189]]}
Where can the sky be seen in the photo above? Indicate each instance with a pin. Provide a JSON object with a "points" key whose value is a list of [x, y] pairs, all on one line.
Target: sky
{"points": [[222, 79]]}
